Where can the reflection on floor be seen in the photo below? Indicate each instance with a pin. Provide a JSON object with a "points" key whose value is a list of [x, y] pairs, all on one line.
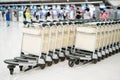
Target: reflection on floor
{"points": [[10, 46]]}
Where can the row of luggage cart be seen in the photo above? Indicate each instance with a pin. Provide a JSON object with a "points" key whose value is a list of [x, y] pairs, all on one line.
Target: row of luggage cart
{"points": [[95, 41], [48, 43]]}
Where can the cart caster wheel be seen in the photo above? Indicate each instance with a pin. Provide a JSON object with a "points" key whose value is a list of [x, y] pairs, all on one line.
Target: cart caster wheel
{"points": [[113, 52], [49, 63], [99, 58], [62, 58], [22, 53], [42, 66], [117, 51], [106, 56], [56, 61], [67, 57], [110, 54], [71, 63], [94, 61], [21, 68], [77, 61], [102, 57], [11, 69]]}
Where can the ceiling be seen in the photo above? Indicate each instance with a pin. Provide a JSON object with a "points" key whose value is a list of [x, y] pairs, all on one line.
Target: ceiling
{"points": [[44, 1]]}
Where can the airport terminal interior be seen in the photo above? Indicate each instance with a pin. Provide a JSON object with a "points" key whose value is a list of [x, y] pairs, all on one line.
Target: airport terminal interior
{"points": [[59, 39]]}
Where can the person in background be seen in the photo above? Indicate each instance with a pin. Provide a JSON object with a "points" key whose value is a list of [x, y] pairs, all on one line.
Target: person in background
{"points": [[103, 15], [49, 15], [61, 14], [41, 15], [78, 13], [24, 16], [37, 14], [3, 14], [72, 13], [64, 14], [87, 14], [28, 17], [94, 15], [8, 17]]}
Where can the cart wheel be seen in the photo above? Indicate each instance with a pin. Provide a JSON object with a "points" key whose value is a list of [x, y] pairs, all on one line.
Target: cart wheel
{"points": [[113, 52], [71, 63], [49, 63], [94, 61], [103, 57], [99, 58], [22, 53], [107, 55], [67, 57], [62, 58], [56, 61], [11, 69], [42, 66], [21, 68], [117, 51], [110, 54], [77, 61]]}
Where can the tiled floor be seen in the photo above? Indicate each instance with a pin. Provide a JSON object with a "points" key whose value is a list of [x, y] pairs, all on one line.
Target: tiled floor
{"points": [[10, 43]]}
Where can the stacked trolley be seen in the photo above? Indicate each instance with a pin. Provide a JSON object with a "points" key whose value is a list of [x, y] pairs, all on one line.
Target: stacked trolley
{"points": [[50, 42], [42, 45], [95, 41]]}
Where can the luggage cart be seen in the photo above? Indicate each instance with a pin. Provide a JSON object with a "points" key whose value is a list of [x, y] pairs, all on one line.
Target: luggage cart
{"points": [[105, 42], [63, 42], [59, 40], [107, 38], [73, 36], [53, 42], [102, 40], [116, 37], [87, 32], [32, 46], [98, 51], [69, 36], [113, 37], [70, 39], [119, 35], [110, 38], [30, 36], [47, 57]]}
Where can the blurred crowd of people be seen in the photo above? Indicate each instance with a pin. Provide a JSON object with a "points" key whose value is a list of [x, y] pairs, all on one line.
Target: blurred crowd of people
{"points": [[62, 14], [54, 14]]}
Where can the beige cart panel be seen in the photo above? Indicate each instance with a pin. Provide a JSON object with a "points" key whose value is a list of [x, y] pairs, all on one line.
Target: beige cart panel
{"points": [[85, 42], [31, 44], [53, 37], [45, 40], [65, 36], [59, 37], [71, 35]]}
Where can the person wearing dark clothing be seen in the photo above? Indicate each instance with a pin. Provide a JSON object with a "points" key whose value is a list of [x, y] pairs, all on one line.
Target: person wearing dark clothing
{"points": [[8, 17], [64, 15], [78, 14], [3, 13], [24, 16]]}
